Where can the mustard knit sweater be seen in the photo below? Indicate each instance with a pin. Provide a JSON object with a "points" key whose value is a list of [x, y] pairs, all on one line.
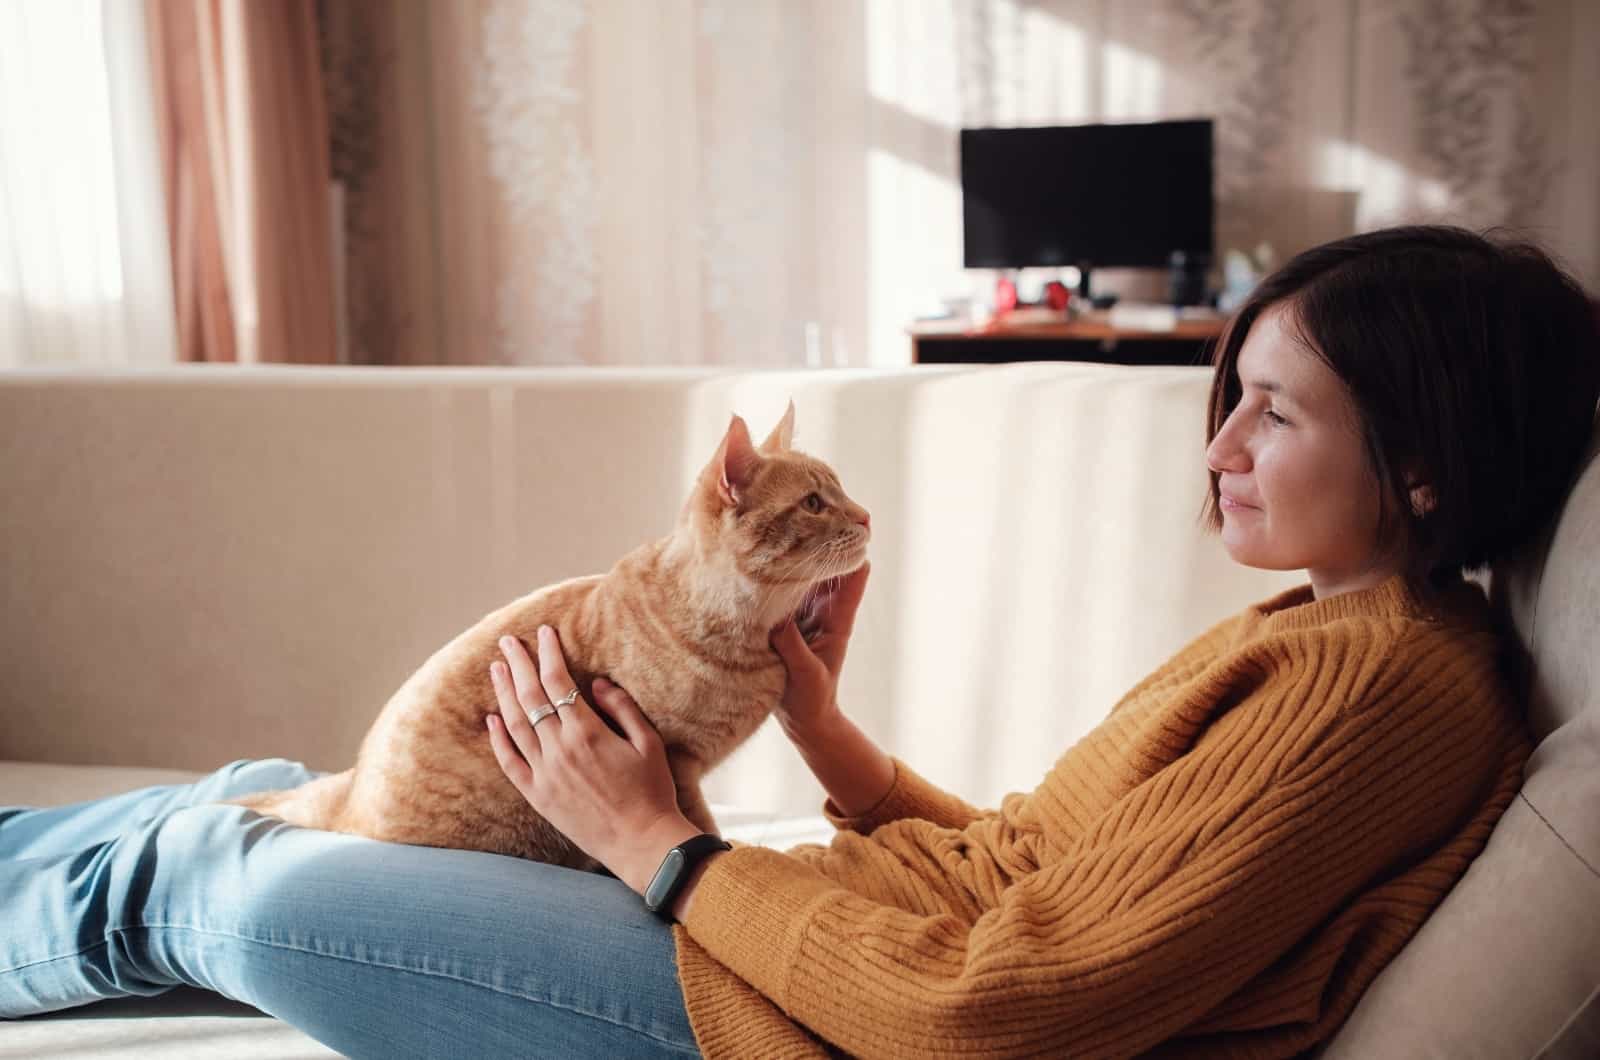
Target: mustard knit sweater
{"points": [[1219, 869]]}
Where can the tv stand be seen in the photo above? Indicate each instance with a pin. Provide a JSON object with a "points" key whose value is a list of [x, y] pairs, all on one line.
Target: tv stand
{"points": [[1084, 337]]}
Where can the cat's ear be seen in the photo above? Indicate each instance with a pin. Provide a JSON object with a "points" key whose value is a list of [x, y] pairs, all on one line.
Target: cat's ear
{"points": [[736, 462], [782, 434]]}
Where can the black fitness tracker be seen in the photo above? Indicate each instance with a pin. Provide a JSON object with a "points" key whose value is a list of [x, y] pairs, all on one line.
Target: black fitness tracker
{"points": [[675, 868]]}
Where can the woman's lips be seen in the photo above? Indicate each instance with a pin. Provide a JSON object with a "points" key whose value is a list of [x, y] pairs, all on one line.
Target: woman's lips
{"points": [[1229, 504]]}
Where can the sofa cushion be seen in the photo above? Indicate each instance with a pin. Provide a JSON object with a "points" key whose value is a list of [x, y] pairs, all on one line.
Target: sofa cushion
{"points": [[182, 1024], [1580, 1038], [1499, 968]]}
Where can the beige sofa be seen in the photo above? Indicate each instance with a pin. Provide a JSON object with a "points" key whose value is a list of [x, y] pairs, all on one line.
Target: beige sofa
{"points": [[205, 563]]}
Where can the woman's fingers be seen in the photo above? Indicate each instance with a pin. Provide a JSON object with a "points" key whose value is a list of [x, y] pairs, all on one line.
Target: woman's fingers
{"points": [[577, 718], [840, 620], [528, 689], [842, 613], [625, 712], [516, 733], [791, 646], [512, 764]]}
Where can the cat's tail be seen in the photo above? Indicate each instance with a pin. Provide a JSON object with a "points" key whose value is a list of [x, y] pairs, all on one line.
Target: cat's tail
{"points": [[318, 803]]}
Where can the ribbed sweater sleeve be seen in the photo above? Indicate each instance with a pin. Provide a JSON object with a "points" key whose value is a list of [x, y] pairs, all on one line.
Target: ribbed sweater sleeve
{"points": [[912, 796], [909, 796], [1188, 885]]}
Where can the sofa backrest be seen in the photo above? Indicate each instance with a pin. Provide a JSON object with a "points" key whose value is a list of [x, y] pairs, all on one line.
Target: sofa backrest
{"points": [[248, 561], [1509, 964]]}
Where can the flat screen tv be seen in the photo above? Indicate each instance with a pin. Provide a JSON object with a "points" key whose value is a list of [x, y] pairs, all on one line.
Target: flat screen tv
{"points": [[1086, 195]]}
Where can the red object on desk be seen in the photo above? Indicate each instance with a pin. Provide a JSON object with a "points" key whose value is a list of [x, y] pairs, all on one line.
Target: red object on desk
{"points": [[1056, 296], [1005, 295]]}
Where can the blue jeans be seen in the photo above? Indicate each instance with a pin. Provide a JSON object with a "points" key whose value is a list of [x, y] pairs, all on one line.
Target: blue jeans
{"points": [[375, 949]]}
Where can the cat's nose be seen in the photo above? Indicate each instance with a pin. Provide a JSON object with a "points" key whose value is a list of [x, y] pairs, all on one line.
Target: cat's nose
{"points": [[865, 519]]}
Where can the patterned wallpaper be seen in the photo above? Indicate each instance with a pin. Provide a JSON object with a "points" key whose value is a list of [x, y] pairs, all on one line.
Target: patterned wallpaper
{"points": [[1471, 72], [774, 181]]}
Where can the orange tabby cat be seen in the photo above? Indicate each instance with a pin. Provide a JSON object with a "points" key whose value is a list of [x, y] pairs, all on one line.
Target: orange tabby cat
{"points": [[681, 623]]}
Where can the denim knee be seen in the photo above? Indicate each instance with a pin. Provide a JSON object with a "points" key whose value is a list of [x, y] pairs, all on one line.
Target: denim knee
{"points": [[246, 776]]}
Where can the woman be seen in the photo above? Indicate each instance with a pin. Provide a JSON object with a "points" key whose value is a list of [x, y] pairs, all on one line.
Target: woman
{"points": [[1221, 867]]}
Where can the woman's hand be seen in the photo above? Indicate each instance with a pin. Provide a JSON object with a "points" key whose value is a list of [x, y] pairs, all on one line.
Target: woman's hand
{"points": [[613, 797], [853, 770], [810, 697]]}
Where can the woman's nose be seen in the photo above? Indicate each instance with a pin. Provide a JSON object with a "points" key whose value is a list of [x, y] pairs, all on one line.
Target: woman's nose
{"points": [[1223, 454], [1212, 463]]}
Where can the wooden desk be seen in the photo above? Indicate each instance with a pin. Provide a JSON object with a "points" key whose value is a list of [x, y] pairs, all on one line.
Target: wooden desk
{"points": [[1086, 337]]}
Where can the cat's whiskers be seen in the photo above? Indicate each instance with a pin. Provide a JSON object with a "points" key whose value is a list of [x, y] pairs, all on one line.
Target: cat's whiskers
{"points": [[770, 591], [814, 564], [766, 594]]}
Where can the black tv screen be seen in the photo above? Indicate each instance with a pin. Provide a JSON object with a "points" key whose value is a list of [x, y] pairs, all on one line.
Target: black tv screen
{"points": [[1120, 195]]}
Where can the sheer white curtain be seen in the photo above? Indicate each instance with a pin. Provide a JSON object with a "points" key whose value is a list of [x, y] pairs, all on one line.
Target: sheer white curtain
{"points": [[777, 181], [85, 275]]}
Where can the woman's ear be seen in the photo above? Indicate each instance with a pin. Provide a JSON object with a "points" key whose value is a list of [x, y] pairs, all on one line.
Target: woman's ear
{"points": [[1423, 499]]}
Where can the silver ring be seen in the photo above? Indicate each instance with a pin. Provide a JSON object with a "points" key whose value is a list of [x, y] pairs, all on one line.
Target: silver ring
{"points": [[566, 700], [536, 716]]}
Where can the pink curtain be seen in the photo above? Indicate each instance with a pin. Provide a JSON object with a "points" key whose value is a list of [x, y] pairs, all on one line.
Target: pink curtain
{"points": [[244, 143]]}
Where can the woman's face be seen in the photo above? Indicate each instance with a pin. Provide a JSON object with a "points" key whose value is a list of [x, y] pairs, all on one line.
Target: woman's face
{"points": [[1296, 489]]}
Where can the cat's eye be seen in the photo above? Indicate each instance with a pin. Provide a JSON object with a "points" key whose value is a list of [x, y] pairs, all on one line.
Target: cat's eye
{"points": [[813, 502]]}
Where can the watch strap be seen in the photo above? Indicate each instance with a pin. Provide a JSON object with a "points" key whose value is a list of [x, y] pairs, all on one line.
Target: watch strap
{"points": [[675, 869]]}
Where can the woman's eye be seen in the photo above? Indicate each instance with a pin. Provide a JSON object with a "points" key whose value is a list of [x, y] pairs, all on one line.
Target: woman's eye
{"points": [[1275, 419], [812, 503]]}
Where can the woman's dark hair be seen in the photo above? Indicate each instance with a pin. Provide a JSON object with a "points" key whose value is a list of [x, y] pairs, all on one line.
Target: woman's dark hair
{"points": [[1474, 363]]}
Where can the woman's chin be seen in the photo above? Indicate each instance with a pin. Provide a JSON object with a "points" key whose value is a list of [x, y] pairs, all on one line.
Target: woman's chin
{"points": [[1251, 554], [1242, 549]]}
